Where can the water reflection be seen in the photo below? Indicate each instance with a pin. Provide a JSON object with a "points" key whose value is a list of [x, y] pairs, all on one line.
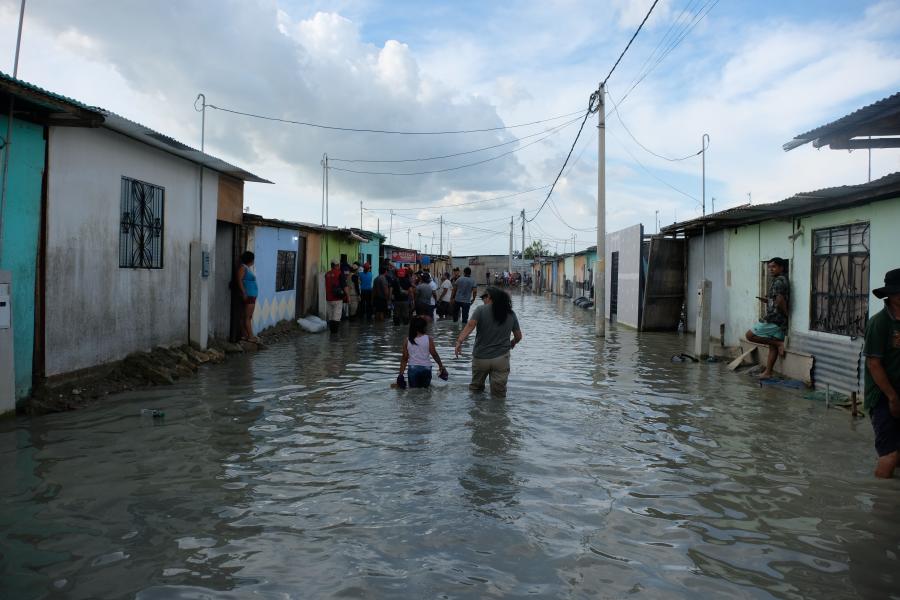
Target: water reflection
{"points": [[491, 480]]}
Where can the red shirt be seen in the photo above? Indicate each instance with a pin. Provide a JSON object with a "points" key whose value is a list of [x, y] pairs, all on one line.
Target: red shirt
{"points": [[334, 279]]}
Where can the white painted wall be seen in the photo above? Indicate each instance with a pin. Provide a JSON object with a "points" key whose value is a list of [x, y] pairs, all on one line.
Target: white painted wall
{"points": [[715, 272], [627, 242], [96, 311]]}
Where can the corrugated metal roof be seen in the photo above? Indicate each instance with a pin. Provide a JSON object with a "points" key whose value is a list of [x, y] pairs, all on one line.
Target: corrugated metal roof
{"points": [[163, 142], [79, 113], [886, 107], [798, 205]]}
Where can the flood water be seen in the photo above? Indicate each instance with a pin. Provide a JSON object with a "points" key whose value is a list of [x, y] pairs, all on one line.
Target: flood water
{"points": [[608, 472]]}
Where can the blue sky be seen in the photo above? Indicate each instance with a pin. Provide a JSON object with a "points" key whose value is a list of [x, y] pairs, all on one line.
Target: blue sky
{"points": [[750, 74]]}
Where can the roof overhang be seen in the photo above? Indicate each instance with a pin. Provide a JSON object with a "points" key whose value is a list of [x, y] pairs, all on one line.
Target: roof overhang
{"points": [[869, 127], [36, 104], [827, 199]]}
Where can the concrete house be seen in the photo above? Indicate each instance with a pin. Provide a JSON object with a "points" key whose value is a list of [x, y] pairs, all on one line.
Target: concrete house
{"points": [[838, 241], [133, 218], [23, 156]]}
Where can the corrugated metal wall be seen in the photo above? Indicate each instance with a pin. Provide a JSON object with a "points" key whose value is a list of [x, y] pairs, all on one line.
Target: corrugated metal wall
{"points": [[838, 362]]}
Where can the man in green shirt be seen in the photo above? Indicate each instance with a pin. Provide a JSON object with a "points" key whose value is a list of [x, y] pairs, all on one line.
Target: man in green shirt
{"points": [[882, 352]]}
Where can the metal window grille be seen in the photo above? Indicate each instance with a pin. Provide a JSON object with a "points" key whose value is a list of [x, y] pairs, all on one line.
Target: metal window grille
{"points": [[840, 280], [141, 227], [284, 270]]}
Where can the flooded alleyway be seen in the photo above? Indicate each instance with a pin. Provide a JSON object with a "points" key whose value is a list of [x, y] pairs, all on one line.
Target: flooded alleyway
{"points": [[608, 472]]}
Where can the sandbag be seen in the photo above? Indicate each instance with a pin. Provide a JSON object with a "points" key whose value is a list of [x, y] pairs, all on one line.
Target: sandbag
{"points": [[312, 324]]}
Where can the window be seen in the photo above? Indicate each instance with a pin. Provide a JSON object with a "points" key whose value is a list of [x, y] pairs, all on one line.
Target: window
{"points": [[141, 228], [284, 270], [840, 280]]}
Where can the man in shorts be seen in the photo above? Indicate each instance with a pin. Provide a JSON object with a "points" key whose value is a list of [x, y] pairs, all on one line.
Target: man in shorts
{"points": [[882, 352], [337, 292], [770, 330]]}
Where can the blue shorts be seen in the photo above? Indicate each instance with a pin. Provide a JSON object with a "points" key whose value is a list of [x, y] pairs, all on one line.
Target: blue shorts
{"points": [[418, 376], [886, 427], [767, 330]]}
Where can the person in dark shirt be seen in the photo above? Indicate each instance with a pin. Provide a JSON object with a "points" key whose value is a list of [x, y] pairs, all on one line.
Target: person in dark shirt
{"points": [[771, 329], [381, 293], [882, 382], [402, 288]]}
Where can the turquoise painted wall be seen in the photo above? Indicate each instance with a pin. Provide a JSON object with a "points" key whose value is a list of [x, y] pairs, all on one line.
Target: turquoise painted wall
{"points": [[371, 247], [21, 234]]}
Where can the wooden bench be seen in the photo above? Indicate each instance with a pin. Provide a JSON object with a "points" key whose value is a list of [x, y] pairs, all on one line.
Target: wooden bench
{"points": [[793, 365]]}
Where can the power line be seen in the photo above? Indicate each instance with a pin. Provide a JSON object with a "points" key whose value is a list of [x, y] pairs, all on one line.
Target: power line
{"points": [[385, 131], [452, 206], [458, 167], [645, 148], [403, 160], [652, 174], [637, 31], [710, 4]]}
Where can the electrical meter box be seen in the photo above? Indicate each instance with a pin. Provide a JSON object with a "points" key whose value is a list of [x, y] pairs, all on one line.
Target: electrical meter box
{"points": [[5, 307]]}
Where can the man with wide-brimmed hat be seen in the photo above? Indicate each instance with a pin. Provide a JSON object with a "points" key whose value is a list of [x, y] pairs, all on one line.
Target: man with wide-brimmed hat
{"points": [[882, 352]]}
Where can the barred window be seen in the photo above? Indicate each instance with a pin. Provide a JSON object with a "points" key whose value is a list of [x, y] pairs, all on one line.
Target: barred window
{"points": [[840, 280], [141, 227], [284, 270]]}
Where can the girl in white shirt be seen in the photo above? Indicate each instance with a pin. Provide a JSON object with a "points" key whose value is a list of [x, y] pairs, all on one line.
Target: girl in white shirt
{"points": [[418, 350]]}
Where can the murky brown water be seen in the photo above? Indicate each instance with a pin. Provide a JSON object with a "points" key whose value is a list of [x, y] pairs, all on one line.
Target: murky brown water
{"points": [[297, 473]]}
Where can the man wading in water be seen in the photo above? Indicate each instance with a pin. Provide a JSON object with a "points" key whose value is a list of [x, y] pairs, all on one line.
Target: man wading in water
{"points": [[771, 328], [882, 352]]}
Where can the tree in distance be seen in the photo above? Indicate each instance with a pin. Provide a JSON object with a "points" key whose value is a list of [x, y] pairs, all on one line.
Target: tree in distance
{"points": [[537, 249]]}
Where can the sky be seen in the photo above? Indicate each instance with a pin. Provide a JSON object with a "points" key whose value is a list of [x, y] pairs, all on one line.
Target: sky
{"points": [[751, 75]]}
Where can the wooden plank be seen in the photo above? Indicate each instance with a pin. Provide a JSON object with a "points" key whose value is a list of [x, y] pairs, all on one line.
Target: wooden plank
{"points": [[740, 359], [231, 200], [793, 365]]}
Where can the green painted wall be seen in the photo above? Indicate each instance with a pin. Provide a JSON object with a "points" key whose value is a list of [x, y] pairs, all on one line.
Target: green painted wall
{"points": [[335, 244], [21, 234], [748, 246]]}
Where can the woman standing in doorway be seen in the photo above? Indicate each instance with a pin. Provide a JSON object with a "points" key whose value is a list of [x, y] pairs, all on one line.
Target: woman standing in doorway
{"points": [[494, 322], [246, 280]]}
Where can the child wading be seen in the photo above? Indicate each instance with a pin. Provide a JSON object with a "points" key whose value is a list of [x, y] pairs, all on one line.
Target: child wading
{"points": [[418, 351]]}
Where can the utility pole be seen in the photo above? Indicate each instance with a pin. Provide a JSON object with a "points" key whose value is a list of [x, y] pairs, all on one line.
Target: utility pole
{"points": [[420, 242], [522, 283], [324, 164], [391, 226], [510, 243], [701, 336], [442, 235], [360, 214], [600, 271], [657, 221], [407, 237]]}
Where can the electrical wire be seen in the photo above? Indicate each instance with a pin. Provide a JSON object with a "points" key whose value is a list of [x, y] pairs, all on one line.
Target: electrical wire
{"points": [[645, 148], [637, 31], [452, 206], [404, 160], [458, 167], [385, 131], [593, 105], [652, 174]]}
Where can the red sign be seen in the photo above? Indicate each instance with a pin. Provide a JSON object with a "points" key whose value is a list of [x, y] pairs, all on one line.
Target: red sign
{"points": [[404, 256]]}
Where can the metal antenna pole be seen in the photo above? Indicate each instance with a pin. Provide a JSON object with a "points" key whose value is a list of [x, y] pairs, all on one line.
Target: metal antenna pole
{"points": [[600, 271], [510, 243], [7, 141]]}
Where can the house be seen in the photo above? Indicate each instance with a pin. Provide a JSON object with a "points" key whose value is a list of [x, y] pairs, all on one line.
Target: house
{"points": [[128, 225], [280, 263], [627, 252], [370, 250], [838, 241], [23, 206], [400, 257]]}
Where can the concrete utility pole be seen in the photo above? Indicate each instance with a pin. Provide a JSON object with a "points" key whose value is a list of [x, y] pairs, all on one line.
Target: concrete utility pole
{"points": [[391, 227], [360, 214], [522, 283], [600, 271], [704, 291], [441, 245], [510, 243]]}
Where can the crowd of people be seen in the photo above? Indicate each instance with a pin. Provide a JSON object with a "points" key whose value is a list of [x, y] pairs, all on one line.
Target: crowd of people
{"points": [[353, 291]]}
